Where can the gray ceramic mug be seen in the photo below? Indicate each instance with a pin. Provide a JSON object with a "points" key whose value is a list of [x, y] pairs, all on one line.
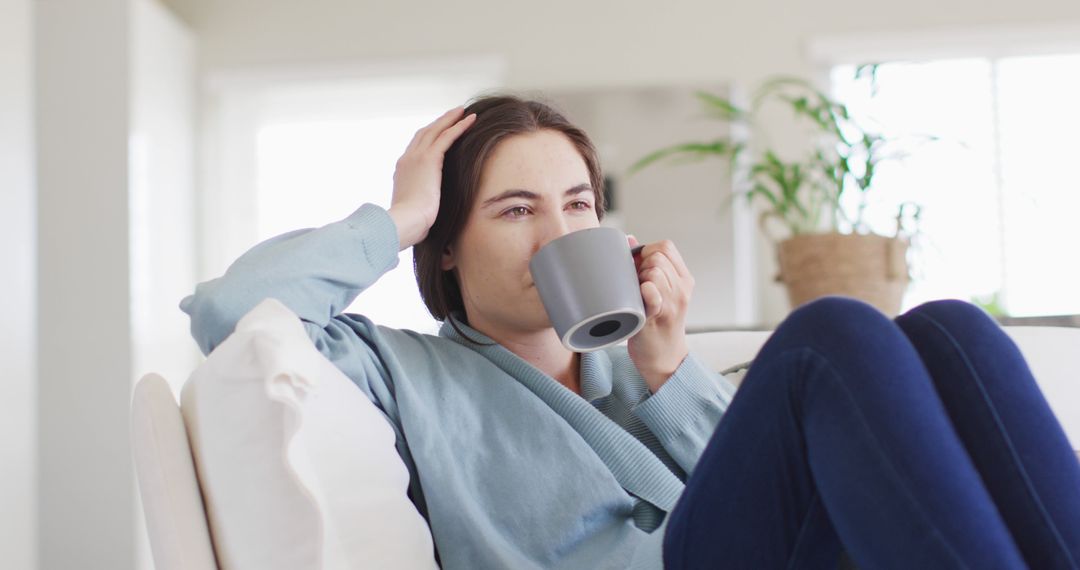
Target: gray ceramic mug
{"points": [[589, 286]]}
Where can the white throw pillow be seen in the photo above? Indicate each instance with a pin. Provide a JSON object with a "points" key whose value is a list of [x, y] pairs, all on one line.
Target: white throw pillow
{"points": [[297, 467]]}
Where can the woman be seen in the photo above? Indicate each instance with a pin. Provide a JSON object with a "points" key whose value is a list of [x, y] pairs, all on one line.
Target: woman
{"points": [[919, 443]]}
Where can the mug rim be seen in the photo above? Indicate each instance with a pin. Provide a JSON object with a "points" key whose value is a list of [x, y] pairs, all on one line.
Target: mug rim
{"points": [[575, 232]]}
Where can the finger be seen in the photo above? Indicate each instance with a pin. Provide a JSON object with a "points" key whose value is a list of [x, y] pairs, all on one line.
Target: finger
{"points": [[432, 131], [422, 131], [635, 251], [657, 275], [654, 301], [675, 289], [672, 252], [443, 141], [657, 260]]}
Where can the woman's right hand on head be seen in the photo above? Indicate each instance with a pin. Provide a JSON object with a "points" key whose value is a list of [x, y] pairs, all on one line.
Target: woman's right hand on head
{"points": [[418, 176]]}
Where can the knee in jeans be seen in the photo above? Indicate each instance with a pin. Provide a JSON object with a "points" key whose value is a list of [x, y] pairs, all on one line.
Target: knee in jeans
{"points": [[831, 310], [950, 311], [840, 317]]}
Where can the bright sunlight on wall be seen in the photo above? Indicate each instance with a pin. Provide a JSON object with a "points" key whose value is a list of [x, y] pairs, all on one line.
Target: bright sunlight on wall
{"points": [[311, 173], [306, 149]]}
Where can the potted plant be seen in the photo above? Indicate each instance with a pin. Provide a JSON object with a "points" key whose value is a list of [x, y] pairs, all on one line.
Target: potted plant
{"points": [[826, 246]]}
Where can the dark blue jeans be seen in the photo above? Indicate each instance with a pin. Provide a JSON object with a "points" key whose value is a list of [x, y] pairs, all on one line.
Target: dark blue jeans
{"points": [[919, 443]]}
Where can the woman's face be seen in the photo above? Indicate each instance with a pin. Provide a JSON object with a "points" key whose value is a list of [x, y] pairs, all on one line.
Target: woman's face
{"points": [[534, 188]]}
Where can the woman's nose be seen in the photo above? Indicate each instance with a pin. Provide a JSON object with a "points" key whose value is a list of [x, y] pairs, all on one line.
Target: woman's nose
{"points": [[555, 227]]}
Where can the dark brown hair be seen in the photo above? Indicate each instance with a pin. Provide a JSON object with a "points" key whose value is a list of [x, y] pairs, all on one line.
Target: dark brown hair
{"points": [[497, 118]]}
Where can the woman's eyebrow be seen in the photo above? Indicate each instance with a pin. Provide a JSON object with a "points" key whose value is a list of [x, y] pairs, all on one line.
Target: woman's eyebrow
{"points": [[529, 195]]}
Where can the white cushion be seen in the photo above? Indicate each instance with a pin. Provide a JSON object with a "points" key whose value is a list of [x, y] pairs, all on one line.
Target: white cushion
{"points": [[1053, 354], [298, 468], [721, 351], [175, 521]]}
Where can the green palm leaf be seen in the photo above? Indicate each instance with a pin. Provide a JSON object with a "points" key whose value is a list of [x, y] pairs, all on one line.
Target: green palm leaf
{"points": [[697, 150]]}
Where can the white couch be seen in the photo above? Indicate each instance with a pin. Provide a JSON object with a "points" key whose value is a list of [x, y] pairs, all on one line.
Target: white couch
{"points": [[183, 536]]}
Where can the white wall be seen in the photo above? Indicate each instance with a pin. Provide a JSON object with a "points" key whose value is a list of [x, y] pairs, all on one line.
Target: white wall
{"points": [[115, 147], [86, 486], [162, 169], [18, 413], [565, 44], [161, 188]]}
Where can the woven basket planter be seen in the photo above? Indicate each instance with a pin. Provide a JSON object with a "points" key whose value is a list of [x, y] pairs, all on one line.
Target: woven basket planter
{"points": [[868, 267]]}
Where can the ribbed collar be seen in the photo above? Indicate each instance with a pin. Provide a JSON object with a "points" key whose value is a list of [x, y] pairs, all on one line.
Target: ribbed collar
{"points": [[595, 375], [634, 466]]}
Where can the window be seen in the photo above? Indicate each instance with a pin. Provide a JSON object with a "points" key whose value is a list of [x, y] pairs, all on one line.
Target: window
{"points": [[307, 153], [997, 191]]}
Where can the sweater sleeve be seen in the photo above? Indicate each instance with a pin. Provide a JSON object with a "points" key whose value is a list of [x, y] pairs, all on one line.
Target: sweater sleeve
{"points": [[685, 411], [315, 273]]}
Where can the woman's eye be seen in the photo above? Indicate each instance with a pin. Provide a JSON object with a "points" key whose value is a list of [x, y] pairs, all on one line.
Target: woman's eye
{"points": [[521, 211]]}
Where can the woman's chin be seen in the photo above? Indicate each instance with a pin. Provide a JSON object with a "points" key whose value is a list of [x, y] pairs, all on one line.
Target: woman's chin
{"points": [[539, 318]]}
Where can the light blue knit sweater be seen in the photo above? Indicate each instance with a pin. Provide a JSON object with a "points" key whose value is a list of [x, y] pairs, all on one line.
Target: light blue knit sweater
{"points": [[510, 468]]}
